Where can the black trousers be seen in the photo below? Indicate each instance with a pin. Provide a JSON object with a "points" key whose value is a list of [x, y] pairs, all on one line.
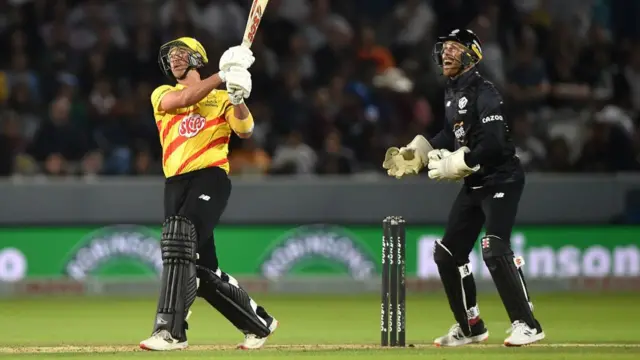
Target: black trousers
{"points": [[495, 207], [201, 196]]}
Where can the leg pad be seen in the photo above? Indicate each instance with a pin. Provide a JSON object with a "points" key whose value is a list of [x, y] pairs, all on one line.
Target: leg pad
{"points": [[223, 293], [179, 283], [508, 279]]}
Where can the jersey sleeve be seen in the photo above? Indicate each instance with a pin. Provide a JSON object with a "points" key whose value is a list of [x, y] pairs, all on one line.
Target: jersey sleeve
{"points": [[493, 134], [156, 97], [239, 126]]}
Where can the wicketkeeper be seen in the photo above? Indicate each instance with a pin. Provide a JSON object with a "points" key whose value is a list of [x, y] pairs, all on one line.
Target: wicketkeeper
{"points": [[475, 145]]}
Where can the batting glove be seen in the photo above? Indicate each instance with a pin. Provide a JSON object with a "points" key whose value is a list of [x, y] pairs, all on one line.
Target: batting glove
{"points": [[238, 81], [239, 56]]}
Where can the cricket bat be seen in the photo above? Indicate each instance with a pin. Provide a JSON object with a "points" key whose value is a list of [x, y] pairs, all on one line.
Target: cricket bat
{"points": [[253, 22]]}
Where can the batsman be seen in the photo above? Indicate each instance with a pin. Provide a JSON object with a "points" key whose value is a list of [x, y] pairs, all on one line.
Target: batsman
{"points": [[195, 121], [475, 146]]}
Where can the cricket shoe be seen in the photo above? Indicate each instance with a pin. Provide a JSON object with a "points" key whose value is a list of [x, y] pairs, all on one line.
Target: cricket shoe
{"points": [[521, 334], [253, 342], [455, 336], [163, 341]]}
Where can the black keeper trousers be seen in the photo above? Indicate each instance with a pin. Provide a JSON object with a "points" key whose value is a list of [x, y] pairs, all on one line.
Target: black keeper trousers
{"points": [[495, 207]]}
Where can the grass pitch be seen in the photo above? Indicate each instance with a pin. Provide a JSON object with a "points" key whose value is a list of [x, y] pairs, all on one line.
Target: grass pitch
{"points": [[578, 326]]}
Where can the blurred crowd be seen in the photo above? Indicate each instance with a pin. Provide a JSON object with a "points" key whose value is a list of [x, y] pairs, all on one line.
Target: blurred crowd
{"points": [[335, 82]]}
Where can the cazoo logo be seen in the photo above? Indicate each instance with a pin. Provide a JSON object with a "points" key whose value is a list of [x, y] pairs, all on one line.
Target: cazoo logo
{"points": [[492, 118], [191, 125]]}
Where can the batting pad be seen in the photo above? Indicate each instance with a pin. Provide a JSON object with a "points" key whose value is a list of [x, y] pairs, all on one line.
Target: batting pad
{"points": [[225, 295], [179, 281], [508, 279], [459, 285]]}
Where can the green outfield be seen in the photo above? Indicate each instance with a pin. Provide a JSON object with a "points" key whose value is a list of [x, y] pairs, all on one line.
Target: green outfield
{"points": [[584, 326]]}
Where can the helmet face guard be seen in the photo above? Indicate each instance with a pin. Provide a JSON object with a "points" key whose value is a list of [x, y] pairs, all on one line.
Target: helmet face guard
{"points": [[473, 50], [197, 57]]}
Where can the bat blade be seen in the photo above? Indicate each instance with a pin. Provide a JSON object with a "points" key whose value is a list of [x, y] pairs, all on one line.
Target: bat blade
{"points": [[253, 22]]}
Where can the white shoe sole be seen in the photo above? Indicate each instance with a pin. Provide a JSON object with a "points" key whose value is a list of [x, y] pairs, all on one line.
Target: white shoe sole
{"points": [[533, 339], [470, 340], [164, 347], [272, 329], [156, 344]]}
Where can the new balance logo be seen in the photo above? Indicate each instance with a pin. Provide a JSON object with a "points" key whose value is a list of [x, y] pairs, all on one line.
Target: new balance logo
{"points": [[161, 321], [204, 197], [498, 195]]}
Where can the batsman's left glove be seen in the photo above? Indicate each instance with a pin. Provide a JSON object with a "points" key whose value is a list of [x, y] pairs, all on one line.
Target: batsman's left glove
{"points": [[240, 56]]}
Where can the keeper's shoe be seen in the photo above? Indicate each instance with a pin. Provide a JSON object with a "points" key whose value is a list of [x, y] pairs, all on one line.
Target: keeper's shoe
{"points": [[521, 334], [253, 342], [455, 336]]}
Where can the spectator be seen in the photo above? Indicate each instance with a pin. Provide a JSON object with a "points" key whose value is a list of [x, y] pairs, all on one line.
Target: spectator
{"points": [[293, 157], [11, 142], [528, 80], [300, 59], [59, 144], [335, 158], [331, 58], [414, 21], [249, 159], [144, 162], [529, 148], [607, 149], [558, 160], [631, 74], [370, 50]]}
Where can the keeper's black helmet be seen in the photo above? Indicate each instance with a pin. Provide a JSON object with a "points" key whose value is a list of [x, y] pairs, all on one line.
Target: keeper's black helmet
{"points": [[466, 38]]}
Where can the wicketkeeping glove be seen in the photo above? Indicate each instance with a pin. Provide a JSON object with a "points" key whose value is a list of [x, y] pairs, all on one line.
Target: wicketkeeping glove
{"points": [[451, 166], [407, 160], [438, 154]]}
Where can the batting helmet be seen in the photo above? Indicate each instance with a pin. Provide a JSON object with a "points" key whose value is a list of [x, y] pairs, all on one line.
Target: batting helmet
{"points": [[197, 56]]}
